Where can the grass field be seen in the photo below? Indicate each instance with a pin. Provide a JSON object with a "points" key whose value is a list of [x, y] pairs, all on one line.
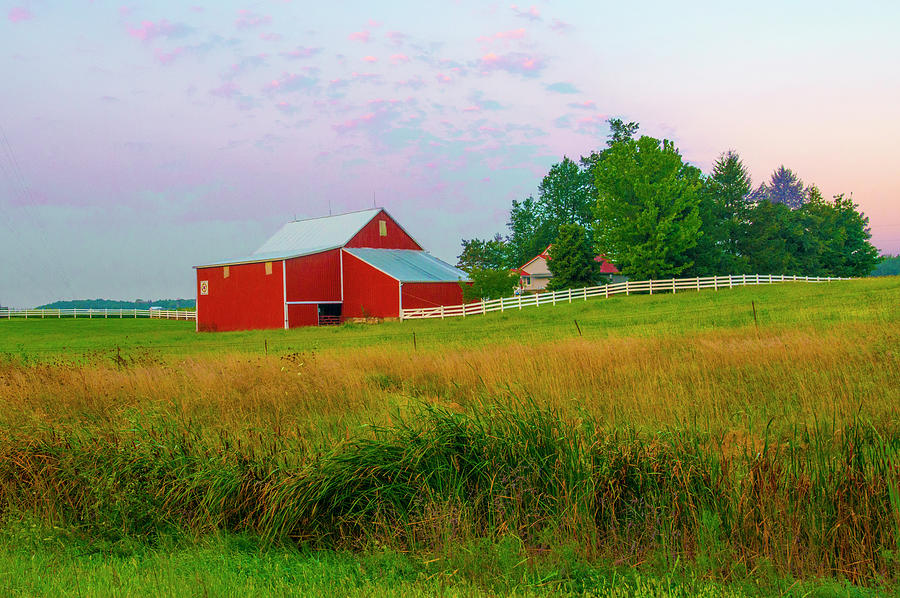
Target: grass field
{"points": [[663, 446]]}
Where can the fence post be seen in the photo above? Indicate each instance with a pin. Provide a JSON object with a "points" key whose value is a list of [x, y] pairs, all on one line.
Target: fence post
{"points": [[584, 293], [673, 286], [698, 283], [626, 287], [570, 295], [442, 311], [606, 288], [651, 286], [716, 282], [483, 308], [520, 301], [553, 297]]}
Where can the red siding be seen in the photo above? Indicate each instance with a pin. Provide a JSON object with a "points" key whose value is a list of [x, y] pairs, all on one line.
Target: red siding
{"points": [[431, 294], [314, 277], [368, 292], [303, 315], [370, 235], [248, 299]]}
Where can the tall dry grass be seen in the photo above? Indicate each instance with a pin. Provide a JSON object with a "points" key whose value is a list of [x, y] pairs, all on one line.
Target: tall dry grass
{"points": [[730, 447]]}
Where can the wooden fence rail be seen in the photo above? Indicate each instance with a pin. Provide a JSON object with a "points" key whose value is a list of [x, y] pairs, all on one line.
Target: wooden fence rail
{"points": [[672, 285], [161, 314]]}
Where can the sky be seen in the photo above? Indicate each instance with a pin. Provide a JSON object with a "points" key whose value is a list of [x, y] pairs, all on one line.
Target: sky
{"points": [[140, 139]]}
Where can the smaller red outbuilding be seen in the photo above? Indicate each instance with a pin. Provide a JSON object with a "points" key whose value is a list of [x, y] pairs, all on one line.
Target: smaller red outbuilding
{"points": [[322, 271]]}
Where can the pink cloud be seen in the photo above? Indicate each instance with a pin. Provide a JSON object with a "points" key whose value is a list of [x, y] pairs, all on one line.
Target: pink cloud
{"points": [[370, 59], [270, 37], [286, 108], [359, 36], [373, 23], [591, 124], [290, 82], [18, 14], [248, 19], [442, 78], [584, 105], [228, 89], [561, 26], [354, 123], [301, 52], [471, 109], [507, 35], [167, 58], [521, 64], [399, 58], [532, 14], [148, 30], [397, 38]]}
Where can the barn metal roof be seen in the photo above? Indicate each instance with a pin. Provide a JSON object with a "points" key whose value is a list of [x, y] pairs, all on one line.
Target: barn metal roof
{"points": [[409, 265], [305, 237]]}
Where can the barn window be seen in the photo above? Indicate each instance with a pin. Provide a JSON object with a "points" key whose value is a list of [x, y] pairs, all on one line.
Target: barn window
{"points": [[382, 228], [226, 272], [268, 267]]}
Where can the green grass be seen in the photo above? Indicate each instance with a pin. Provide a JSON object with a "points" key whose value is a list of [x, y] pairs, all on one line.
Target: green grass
{"points": [[780, 306]]}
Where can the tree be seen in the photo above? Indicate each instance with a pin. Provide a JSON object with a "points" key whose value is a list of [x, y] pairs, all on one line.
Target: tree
{"points": [[572, 259], [529, 233], [784, 187], [835, 237], [647, 207], [774, 239], [479, 253], [565, 196], [489, 283], [723, 213]]}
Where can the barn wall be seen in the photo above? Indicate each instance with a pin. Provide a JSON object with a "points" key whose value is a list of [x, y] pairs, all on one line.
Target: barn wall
{"points": [[368, 292], [431, 294], [248, 299], [314, 277], [370, 236], [303, 315]]}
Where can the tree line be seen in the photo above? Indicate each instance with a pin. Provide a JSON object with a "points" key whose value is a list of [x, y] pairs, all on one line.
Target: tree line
{"points": [[653, 215]]}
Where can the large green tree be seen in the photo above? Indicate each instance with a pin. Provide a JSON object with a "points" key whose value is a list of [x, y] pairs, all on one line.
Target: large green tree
{"points": [[565, 196], [572, 259], [647, 207], [489, 283], [774, 240], [835, 237]]}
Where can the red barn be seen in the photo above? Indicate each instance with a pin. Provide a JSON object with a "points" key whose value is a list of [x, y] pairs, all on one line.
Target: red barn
{"points": [[322, 271]]}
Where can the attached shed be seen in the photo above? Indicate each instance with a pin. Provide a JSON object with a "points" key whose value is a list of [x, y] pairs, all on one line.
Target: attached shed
{"points": [[323, 271]]}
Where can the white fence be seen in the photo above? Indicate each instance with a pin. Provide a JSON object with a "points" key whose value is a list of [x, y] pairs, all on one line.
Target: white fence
{"points": [[622, 288], [161, 314]]}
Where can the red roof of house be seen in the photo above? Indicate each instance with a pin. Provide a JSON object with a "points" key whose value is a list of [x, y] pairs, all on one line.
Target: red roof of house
{"points": [[606, 267]]}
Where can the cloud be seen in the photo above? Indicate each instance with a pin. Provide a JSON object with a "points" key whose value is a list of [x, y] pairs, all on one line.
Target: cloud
{"points": [[561, 26], [562, 87], [399, 58], [532, 14], [246, 63], [592, 125], [270, 37], [148, 30], [247, 19], [477, 99], [290, 82], [516, 63], [167, 58], [17, 14], [397, 38], [359, 36], [443, 79], [514, 34], [412, 83], [370, 59], [300, 52], [227, 89], [563, 122], [588, 105], [286, 108]]}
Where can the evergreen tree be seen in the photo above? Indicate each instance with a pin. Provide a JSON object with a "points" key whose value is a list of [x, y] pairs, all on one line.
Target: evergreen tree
{"points": [[572, 259], [784, 187], [723, 213]]}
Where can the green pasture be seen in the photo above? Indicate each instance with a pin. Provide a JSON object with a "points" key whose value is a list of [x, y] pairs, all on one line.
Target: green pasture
{"points": [[777, 306]]}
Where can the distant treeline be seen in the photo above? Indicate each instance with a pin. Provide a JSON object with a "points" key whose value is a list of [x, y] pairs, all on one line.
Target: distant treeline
{"points": [[114, 304], [888, 266]]}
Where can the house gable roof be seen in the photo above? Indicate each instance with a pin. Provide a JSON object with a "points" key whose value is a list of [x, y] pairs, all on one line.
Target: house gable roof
{"points": [[408, 265], [606, 267]]}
